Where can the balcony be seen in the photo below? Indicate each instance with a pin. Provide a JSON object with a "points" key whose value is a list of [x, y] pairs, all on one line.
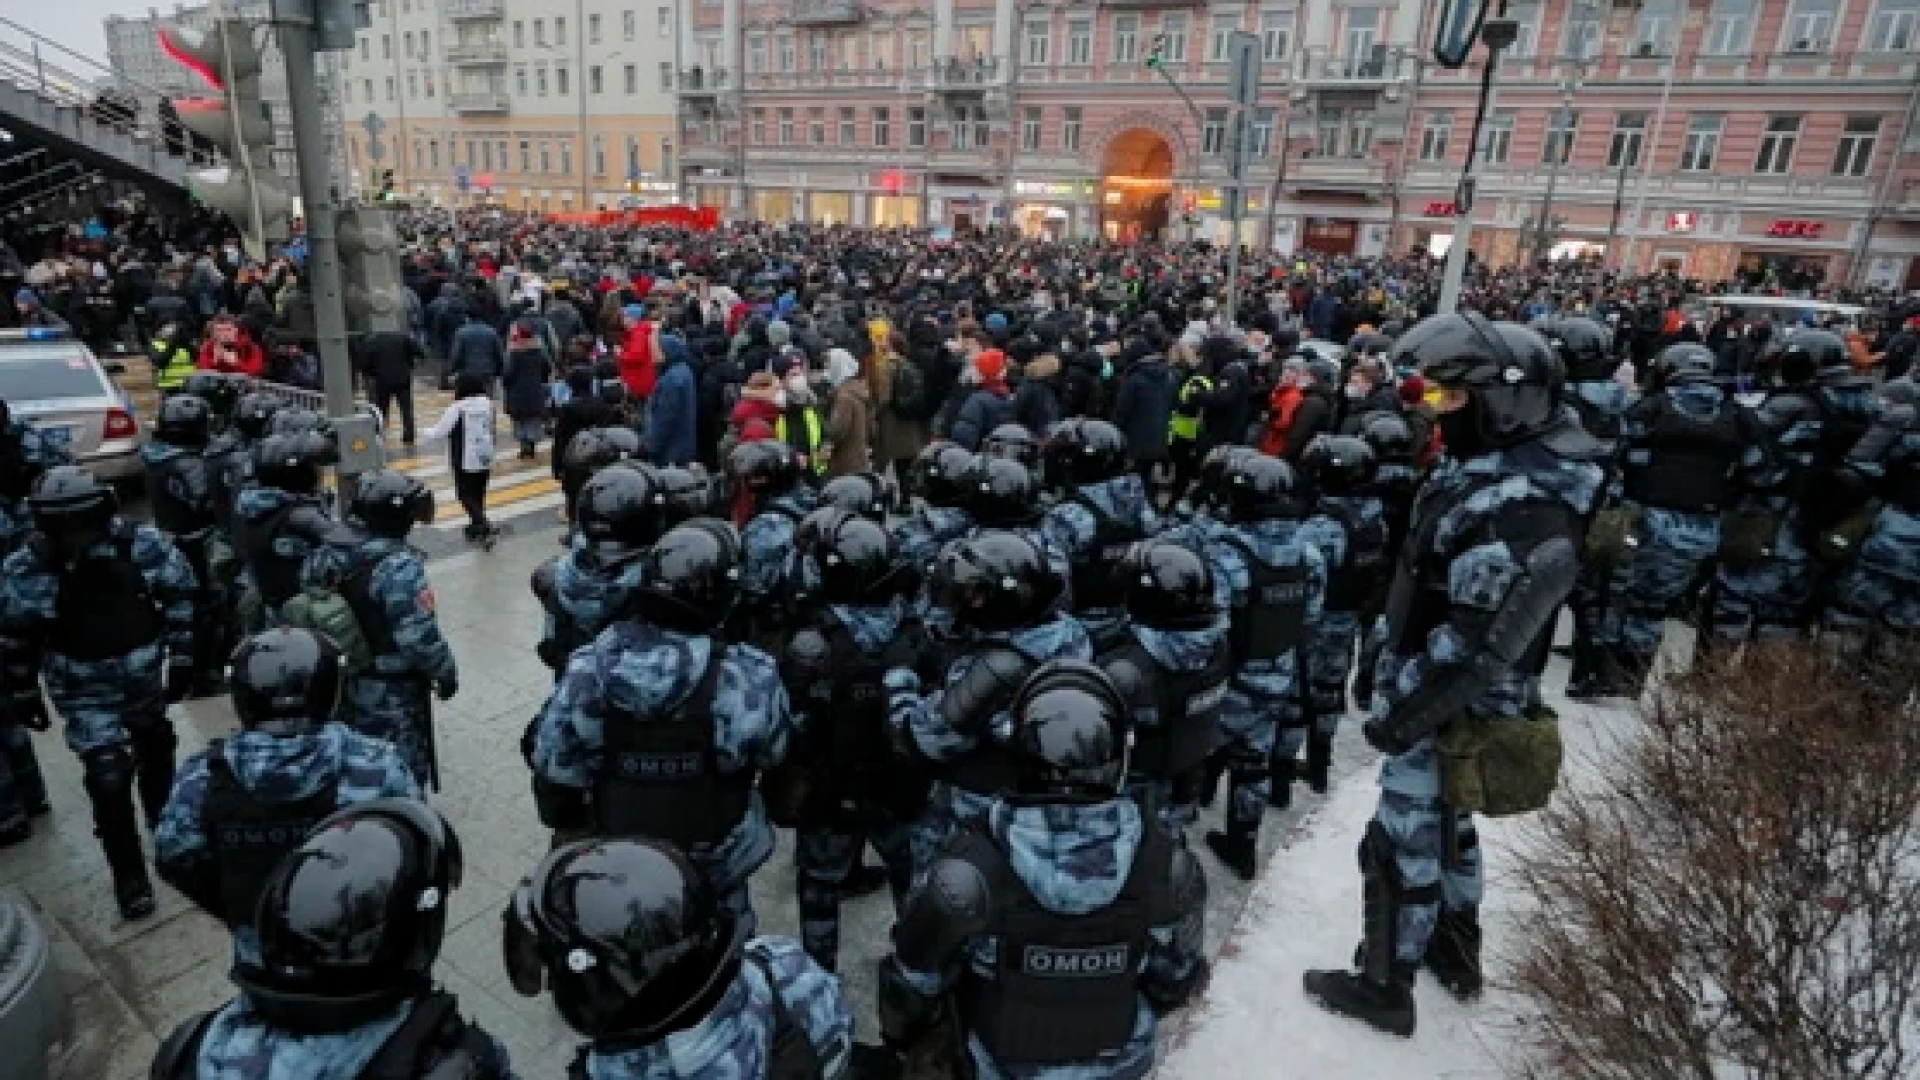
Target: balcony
{"points": [[1379, 69], [1353, 174], [1137, 4], [699, 84], [477, 52], [479, 102], [476, 9], [956, 76], [826, 12]]}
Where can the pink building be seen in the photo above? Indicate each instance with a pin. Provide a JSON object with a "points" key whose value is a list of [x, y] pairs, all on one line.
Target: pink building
{"points": [[1756, 135]]}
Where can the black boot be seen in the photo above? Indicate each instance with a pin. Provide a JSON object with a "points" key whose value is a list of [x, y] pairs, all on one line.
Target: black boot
{"points": [[1453, 953], [1319, 760], [110, 787], [1235, 852], [1385, 1006], [819, 920], [864, 881], [153, 747], [1581, 676], [1280, 774], [1381, 992]]}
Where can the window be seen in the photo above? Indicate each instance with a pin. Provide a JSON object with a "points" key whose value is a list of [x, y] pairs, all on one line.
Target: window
{"points": [[881, 136], [666, 156], [1126, 38], [1891, 29], [365, 44], [914, 116], [386, 46], [756, 55], [433, 153], [633, 156], [629, 25], [560, 33], [881, 48], [1809, 26], [519, 34], [817, 127], [1496, 139], [1702, 143], [406, 43], [1434, 135], [1276, 33], [390, 88], [787, 53], [1260, 133], [1729, 28], [413, 85], [1629, 134], [426, 45], [918, 46], [1079, 41], [367, 86], [786, 126], [599, 155], [663, 21], [566, 156], [1039, 41], [630, 78], [1362, 31], [666, 75], [1582, 39], [817, 53], [1220, 28], [1655, 27], [594, 84], [486, 155], [593, 34], [540, 33], [1526, 17], [1855, 152], [419, 155], [760, 126], [1332, 120], [1776, 145], [1173, 31], [1070, 129], [1359, 133], [540, 81], [546, 156], [1563, 127], [560, 81], [1030, 128], [471, 157], [1213, 133]]}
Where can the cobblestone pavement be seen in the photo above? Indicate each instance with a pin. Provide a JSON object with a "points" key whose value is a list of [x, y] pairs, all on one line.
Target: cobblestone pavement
{"points": [[133, 982]]}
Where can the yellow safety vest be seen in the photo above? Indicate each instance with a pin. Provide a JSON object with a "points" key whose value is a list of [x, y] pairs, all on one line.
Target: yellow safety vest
{"points": [[1186, 426], [813, 436], [173, 373]]}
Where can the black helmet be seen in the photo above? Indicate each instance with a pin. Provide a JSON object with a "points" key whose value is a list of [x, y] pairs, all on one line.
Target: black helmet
{"points": [[939, 472], [995, 581], [69, 504], [1585, 347], [219, 391], [253, 414], [1000, 493], [765, 468], [1389, 436], [628, 935], [351, 921], [862, 493], [1339, 464], [854, 556], [681, 492], [594, 449], [295, 421], [1169, 587], [184, 420], [1261, 487], [691, 580], [1013, 442], [1085, 451], [1211, 481], [1808, 350], [391, 503], [293, 462], [618, 508], [285, 682], [1071, 735], [1514, 389], [1684, 361]]}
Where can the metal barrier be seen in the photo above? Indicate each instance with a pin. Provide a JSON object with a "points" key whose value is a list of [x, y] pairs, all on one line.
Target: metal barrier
{"points": [[299, 397]]}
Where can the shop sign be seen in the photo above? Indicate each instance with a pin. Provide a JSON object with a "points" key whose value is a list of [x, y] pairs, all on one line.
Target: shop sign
{"points": [[1210, 199], [1796, 229], [1052, 189], [1441, 208], [1682, 221]]}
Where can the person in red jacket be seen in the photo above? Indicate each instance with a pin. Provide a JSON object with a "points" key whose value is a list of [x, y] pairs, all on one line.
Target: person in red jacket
{"points": [[636, 355], [228, 349]]}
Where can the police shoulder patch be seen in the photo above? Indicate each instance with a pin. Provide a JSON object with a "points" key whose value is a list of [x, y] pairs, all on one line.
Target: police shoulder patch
{"points": [[425, 599]]}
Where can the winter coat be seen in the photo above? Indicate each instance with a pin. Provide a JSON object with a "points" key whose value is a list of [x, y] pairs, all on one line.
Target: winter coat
{"points": [[673, 413], [1036, 404], [1315, 416], [1143, 407], [850, 428], [637, 368], [247, 359], [896, 438], [581, 412], [477, 350], [523, 389], [473, 416], [985, 408]]}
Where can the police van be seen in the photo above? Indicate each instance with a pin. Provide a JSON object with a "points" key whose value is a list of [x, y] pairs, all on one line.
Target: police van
{"points": [[54, 382]]}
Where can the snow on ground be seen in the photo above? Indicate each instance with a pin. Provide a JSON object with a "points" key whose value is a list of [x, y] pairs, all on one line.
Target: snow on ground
{"points": [[1304, 912]]}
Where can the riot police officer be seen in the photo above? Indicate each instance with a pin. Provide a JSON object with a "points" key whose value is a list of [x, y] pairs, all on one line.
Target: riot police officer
{"points": [[1396, 480], [252, 797], [941, 517], [862, 493], [616, 518], [1093, 912], [1874, 601], [662, 978], [1003, 495], [661, 728], [1272, 579], [1339, 470], [384, 584], [185, 495], [1491, 555], [1002, 597], [1016, 444], [25, 454], [844, 789], [102, 610], [232, 452], [767, 478], [1585, 351], [1171, 667], [590, 451], [1102, 511], [282, 518], [350, 925]]}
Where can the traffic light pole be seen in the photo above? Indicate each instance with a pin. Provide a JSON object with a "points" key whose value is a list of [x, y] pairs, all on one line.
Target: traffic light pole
{"points": [[1498, 34]]}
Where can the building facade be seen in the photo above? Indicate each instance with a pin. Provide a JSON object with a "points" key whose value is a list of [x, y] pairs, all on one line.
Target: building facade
{"points": [[1757, 136], [556, 105]]}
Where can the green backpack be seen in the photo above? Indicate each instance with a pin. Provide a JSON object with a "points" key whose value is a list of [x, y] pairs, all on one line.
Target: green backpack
{"points": [[329, 610]]}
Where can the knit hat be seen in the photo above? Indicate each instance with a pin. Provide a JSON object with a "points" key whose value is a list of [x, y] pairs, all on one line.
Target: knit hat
{"points": [[26, 298], [991, 364], [1413, 389]]}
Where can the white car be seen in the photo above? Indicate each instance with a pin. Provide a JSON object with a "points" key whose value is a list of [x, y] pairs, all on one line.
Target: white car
{"points": [[54, 382]]}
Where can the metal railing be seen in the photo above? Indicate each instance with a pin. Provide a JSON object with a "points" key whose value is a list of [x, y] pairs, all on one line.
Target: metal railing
{"points": [[484, 101], [54, 73], [476, 9], [825, 12], [489, 51], [696, 80]]}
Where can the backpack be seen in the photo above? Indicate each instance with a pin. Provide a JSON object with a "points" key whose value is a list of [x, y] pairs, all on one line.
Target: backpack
{"points": [[330, 610], [909, 390]]}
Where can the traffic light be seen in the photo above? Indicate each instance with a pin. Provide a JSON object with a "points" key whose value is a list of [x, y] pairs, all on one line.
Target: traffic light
{"points": [[370, 269], [386, 185], [1156, 52], [247, 190]]}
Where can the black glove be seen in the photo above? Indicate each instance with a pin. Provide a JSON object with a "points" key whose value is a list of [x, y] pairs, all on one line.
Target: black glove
{"points": [[445, 687], [29, 713], [1382, 737], [179, 681]]}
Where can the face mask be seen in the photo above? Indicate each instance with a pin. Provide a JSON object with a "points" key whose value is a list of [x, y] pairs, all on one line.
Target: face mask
{"points": [[779, 399], [1355, 391], [1461, 430]]}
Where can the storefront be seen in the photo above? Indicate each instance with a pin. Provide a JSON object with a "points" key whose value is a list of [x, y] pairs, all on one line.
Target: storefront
{"points": [[772, 204], [1331, 236], [893, 211], [830, 207], [1786, 262], [1049, 207]]}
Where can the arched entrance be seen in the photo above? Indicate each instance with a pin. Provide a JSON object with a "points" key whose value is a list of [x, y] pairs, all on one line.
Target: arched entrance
{"points": [[1136, 186]]}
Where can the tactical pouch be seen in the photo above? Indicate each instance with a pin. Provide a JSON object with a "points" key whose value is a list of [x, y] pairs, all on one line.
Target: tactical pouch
{"points": [[325, 611], [1611, 533], [1746, 537], [1498, 767], [1837, 543], [223, 562]]}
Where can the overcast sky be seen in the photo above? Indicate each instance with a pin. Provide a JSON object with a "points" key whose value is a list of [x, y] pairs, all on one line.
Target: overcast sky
{"points": [[75, 24]]}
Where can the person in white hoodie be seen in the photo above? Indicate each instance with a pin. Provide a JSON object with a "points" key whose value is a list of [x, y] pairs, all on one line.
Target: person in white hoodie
{"points": [[467, 426]]}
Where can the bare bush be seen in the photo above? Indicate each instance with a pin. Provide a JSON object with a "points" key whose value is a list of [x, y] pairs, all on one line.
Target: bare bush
{"points": [[1738, 893]]}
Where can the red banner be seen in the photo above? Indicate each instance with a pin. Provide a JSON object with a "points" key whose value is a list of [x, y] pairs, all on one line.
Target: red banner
{"points": [[1442, 208], [696, 218], [1796, 229]]}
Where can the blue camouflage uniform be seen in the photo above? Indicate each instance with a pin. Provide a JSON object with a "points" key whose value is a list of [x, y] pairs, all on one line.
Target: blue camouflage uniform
{"points": [[766, 561], [920, 537], [1265, 713], [254, 509], [1880, 592], [589, 594], [1673, 547], [23, 791], [1478, 545], [736, 1040], [1175, 801], [1351, 564], [239, 1044], [1075, 859], [1071, 525], [273, 769], [927, 730], [635, 672], [391, 699]]}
